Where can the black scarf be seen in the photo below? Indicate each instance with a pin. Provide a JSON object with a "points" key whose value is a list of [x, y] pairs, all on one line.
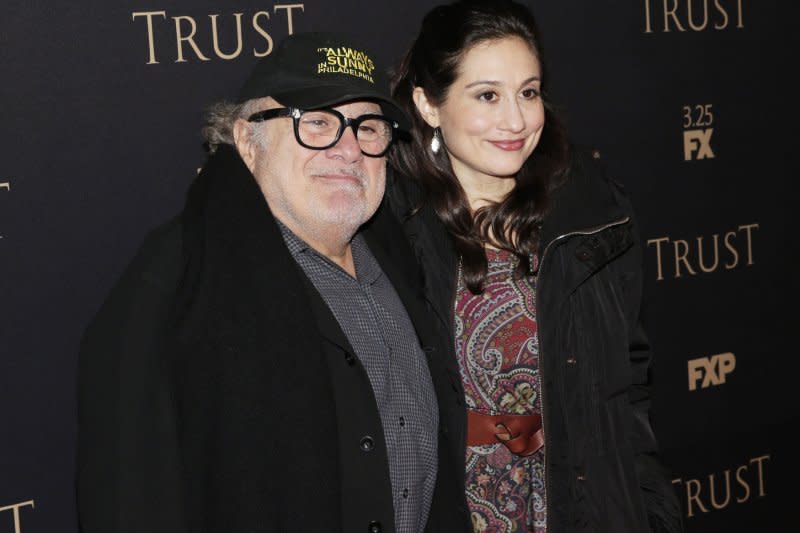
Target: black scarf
{"points": [[254, 401]]}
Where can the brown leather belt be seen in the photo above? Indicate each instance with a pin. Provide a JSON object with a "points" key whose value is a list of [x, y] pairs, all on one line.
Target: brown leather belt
{"points": [[521, 434]]}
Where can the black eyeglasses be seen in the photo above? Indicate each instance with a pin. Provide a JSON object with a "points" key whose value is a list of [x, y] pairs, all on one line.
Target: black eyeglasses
{"points": [[322, 128]]}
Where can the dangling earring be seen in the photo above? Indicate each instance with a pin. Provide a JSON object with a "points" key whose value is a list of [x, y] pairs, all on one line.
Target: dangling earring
{"points": [[533, 264], [436, 141]]}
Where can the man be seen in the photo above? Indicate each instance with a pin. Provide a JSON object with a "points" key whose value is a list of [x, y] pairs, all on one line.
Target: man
{"points": [[260, 365]]}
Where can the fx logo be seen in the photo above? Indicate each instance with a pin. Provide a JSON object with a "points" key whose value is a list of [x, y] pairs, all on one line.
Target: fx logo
{"points": [[697, 144], [712, 370]]}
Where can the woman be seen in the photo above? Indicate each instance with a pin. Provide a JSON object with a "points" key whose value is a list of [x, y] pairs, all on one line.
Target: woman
{"points": [[531, 260]]}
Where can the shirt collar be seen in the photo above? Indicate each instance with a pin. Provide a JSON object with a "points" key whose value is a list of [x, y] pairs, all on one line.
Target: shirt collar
{"points": [[367, 269]]}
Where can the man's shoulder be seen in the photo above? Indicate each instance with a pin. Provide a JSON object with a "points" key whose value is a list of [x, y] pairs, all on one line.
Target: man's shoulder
{"points": [[159, 259], [142, 296], [154, 272]]}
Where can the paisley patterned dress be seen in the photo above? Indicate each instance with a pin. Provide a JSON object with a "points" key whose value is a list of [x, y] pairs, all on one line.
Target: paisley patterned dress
{"points": [[498, 355]]}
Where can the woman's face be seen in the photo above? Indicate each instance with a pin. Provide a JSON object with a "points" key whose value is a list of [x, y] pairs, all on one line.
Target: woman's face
{"points": [[493, 115]]}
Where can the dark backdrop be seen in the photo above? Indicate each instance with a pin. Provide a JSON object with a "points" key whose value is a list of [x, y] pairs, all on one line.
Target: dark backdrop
{"points": [[687, 102]]}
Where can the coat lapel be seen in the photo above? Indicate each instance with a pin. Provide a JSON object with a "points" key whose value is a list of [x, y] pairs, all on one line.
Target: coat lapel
{"points": [[385, 239], [327, 324]]}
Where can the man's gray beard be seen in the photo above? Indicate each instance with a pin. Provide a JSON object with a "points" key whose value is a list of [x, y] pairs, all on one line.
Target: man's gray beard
{"points": [[343, 223], [324, 224]]}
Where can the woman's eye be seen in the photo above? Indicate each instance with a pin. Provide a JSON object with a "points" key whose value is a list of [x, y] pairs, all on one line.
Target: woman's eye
{"points": [[530, 93], [487, 96]]}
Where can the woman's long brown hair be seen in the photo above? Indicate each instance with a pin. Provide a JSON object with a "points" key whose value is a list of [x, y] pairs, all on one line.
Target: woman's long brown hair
{"points": [[448, 32]]}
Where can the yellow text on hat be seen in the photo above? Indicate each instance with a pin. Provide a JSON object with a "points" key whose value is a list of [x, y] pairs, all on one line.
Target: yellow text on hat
{"points": [[345, 60]]}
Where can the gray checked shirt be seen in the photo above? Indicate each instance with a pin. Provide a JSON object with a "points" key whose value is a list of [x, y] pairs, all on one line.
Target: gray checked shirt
{"points": [[376, 324]]}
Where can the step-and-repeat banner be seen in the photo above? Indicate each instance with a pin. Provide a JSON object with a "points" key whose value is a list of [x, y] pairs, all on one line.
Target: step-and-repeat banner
{"points": [[689, 104]]}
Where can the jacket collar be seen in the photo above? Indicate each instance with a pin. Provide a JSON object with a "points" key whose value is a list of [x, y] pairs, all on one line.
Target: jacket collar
{"points": [[583, 203]]}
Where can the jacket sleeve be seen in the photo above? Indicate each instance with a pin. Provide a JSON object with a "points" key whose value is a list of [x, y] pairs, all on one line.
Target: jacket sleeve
{"points": [[128, 465], [663, 510]]}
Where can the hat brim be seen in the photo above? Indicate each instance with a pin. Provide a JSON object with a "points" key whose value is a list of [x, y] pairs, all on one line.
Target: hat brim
{"points": [[330, 95]]}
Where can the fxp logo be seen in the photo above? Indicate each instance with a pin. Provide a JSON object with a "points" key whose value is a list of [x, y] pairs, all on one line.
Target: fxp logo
{"points": [[711, 370]]}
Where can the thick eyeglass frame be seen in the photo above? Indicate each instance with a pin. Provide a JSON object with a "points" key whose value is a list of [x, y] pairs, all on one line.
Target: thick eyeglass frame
{"points": [[344, 122]]}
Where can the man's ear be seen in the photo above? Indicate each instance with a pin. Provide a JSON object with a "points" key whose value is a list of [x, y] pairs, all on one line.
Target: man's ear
{"points": [[427, 110], [243, 139]]}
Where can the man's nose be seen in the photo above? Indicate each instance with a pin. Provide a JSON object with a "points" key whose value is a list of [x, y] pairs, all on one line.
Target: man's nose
{"points": [[347, 147]]}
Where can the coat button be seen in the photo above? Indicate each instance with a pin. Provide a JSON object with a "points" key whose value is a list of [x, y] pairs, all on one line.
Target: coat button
{"points": [[349, 358], [583, 255], [571, 360], [581, 477], [375, 527], [367, 444]]}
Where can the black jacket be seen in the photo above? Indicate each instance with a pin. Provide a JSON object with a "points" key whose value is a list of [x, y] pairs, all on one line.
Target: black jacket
{"points": [[602, 473], [205, 384]]}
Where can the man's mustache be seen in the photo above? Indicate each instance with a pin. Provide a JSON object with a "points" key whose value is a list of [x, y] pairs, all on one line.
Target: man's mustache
{"points": [[342, 171]]}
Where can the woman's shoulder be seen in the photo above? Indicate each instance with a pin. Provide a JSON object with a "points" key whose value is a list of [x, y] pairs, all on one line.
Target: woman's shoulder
{"points": [[587, 169], [586, 197], [587, 182]]}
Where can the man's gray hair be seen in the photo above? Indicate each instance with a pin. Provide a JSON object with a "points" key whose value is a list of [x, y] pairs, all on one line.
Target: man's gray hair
{"points": [[219, 120]]}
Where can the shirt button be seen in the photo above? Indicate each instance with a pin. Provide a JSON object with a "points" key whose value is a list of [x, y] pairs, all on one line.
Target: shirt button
{"points": [[405, 493], [402, 422], [366, 444], [375, 527]]}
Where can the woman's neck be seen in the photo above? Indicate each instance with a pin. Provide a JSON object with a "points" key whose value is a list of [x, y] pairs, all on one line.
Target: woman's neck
{"points": [[482, 190]]}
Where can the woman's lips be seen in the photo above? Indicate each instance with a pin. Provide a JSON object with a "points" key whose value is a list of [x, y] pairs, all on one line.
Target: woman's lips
{"points": [[509, 146]]}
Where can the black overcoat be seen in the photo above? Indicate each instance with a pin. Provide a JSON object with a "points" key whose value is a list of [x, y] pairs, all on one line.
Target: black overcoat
{"points": [[205, 384]]}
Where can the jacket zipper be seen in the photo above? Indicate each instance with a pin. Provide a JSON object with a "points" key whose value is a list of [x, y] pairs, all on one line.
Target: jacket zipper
{"points": [[586, 231]]}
